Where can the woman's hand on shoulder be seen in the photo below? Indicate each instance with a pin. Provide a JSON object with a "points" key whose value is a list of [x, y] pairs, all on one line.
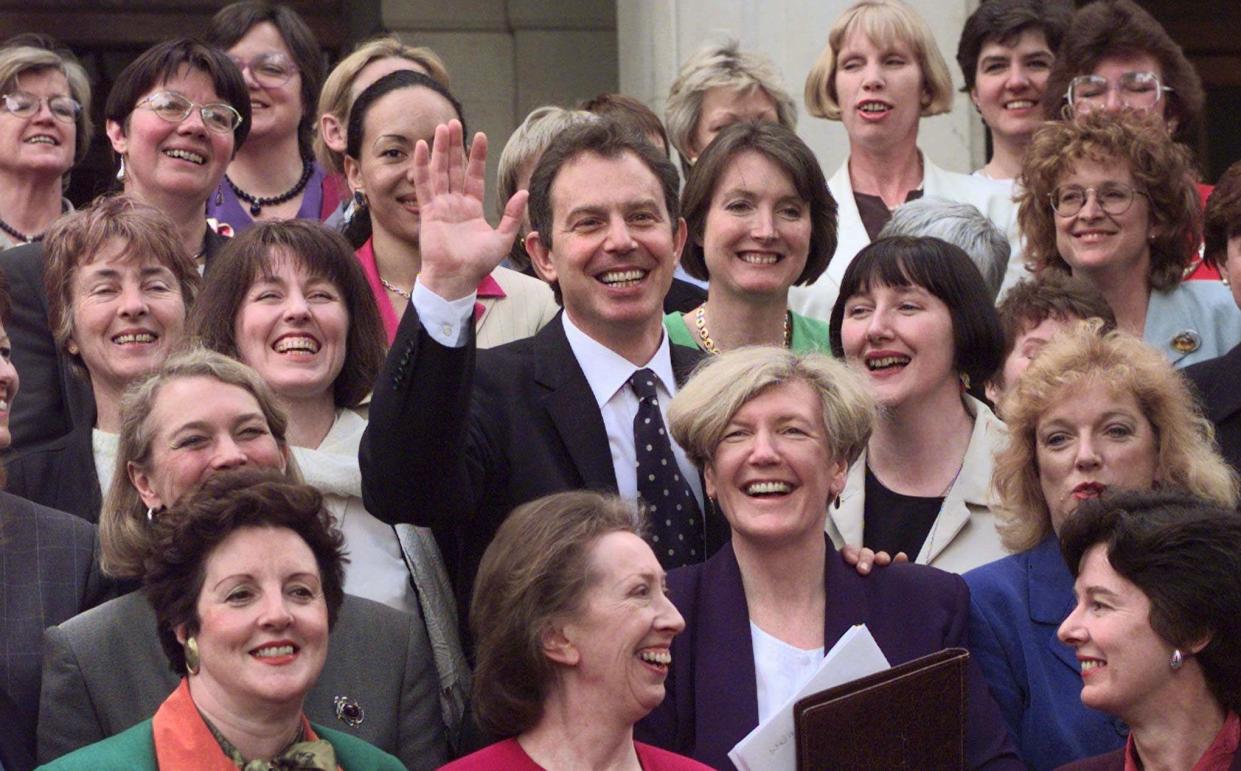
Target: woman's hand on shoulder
{"points": [[863, 559]]}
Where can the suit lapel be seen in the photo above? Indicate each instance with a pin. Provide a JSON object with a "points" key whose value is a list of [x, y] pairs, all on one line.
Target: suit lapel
{"points": [[1049, 585], [684, 359], [572, 408], [724, 654]]}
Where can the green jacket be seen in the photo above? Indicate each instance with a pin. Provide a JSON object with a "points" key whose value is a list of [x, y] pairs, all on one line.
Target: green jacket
{"points": [[808, 334], [134, 750]]}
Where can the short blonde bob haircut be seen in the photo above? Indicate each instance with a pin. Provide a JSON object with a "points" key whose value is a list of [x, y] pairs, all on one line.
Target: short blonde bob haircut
{"points": [[700, 412], [887, 23], [125, 533], [1079, 357], [16, 60], [336, 100], [1161, 169], [720, 64]]}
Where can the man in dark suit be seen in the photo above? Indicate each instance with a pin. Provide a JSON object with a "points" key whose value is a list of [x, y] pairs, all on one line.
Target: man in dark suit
{"points": [[455, 443]]}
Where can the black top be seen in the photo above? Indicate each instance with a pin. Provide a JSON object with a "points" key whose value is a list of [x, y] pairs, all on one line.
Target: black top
{"points": [[894, 522], [875, 213]]}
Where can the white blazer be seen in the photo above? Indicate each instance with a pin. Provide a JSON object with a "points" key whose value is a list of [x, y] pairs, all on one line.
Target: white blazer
{"points": [[990, 197], [963, 535]]}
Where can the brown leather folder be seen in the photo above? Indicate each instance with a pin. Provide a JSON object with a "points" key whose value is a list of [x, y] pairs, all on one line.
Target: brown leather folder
{"points": [[911, 716]]}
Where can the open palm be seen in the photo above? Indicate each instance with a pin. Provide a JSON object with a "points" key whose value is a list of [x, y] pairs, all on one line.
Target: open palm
{"points": [[459, 247]]}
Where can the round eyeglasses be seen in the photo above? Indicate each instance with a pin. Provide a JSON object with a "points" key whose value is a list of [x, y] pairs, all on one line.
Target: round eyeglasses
{"points": [[270, 70], [1112, 198], [63, 108], [174, 108], [1136, 90]]}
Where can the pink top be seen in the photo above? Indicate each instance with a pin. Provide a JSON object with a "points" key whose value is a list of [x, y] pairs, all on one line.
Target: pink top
{"points": [[488, 287], [509, 756]]}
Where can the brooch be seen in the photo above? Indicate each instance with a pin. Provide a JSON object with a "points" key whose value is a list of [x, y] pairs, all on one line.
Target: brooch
{"points": [[348, 711], [1187, 341]]}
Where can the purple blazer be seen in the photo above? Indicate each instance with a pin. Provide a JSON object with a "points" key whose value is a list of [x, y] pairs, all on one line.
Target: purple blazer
{"points": [[712, 695]]}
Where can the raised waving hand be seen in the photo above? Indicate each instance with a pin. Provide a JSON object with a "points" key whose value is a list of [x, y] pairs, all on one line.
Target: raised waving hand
{"points": [[459, 247]]}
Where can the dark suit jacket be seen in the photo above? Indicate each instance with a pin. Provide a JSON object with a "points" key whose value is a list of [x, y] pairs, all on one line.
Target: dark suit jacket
{"points": [[49, 572], [1216, 382], [712, 695], [456, 447], [1016, 606], [53, 397], [104, 671], [59, 473], [15, 752]]}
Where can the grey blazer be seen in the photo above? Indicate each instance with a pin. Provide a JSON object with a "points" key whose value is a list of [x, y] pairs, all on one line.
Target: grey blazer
{"points": [[104, 671]]}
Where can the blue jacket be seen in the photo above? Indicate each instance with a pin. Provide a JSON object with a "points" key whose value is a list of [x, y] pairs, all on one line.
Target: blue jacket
{"points": [[1016, 605], [1196, 321]]}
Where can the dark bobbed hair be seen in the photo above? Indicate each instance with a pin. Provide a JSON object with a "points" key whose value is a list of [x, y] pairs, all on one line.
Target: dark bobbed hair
{"points": [[324, 253], [1119, 27], [166, 60], [626, 109], [188, 534], [608, 138], [232, 22], [786, 150], [535, 573], [359, 228], [1003, 21], [1050, 294], [948, 273], [1184, 554], [1222, 221]]}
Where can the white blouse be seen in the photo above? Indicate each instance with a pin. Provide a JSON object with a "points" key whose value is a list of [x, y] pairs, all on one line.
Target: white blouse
{"points": [[780, 670]]}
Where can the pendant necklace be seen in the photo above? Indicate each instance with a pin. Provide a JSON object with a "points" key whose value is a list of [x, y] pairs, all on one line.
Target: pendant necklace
{"points": [[258, 202]]}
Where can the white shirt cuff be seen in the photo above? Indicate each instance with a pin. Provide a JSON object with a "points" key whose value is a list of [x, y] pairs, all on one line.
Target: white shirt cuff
{"points": [[446, 321]]}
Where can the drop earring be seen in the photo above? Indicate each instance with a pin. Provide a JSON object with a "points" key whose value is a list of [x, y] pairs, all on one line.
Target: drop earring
{"points": [[1178, 660], [359, 198], [120, 172]]}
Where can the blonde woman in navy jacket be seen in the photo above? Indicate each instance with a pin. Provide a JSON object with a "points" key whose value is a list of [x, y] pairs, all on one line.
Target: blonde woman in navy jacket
{"points": [[774, 433]]}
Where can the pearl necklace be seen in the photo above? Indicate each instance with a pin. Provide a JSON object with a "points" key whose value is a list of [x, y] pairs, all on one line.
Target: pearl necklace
{"points": [[708, 345]]}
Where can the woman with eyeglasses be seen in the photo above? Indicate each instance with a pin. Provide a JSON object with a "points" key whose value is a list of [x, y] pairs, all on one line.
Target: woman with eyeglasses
{"points": [[174, 116], [275, 175], [1111, 198], [1115, 56], [44, 130]]}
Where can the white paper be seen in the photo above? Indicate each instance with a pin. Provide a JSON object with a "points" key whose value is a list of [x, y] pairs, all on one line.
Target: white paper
{"points": [[770, 746]]}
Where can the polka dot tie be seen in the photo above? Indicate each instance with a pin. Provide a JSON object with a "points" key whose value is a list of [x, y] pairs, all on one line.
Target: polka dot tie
{"points": [[675, 521]]}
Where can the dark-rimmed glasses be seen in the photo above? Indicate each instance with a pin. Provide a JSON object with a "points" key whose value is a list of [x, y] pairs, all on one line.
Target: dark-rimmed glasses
{"points": [[174, 108], [63, 108], [1136, 90], [270, 70], [1113, 198]]}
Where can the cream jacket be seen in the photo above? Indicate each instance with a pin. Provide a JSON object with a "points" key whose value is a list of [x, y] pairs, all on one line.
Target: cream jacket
{"points": [[527, 306], [963, 535], [992, 198]]}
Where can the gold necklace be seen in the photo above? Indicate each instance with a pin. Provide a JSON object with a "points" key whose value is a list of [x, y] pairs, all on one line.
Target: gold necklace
{"points": [[708, 345], [391, 287]]}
